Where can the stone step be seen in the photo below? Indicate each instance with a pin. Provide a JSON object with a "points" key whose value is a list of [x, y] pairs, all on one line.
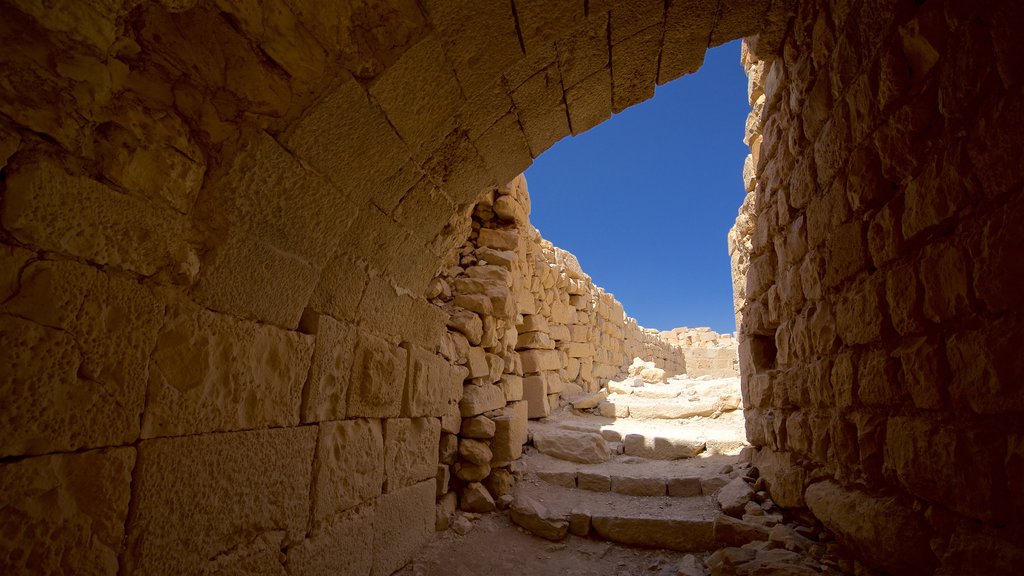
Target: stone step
{"points": [[663, 441], [683, 524], [635, 476]]}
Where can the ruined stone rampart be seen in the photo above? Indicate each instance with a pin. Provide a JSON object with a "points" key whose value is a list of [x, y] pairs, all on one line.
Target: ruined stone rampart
{"points": [[707, 352], [876, 280]]}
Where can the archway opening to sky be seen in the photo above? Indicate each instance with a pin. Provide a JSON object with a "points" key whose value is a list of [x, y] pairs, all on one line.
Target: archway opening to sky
{"points": [[645, 200]]}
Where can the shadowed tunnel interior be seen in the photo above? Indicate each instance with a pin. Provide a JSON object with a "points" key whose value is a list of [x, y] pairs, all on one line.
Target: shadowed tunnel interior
{"points": [[220, 222]]}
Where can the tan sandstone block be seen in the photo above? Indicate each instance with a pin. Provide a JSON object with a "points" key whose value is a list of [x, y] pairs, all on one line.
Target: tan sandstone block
{"points": [[213, 373], [403, 523], [635, 68], [433, 384], [199, 497], [479, 39], [541, 107], [256, 280], [540, 360], [422, 69], [349, 467], [349, 140], [510, 434], [75, 358], [65, 513], [340, 547], [410, 451], [378, 378], [326, 391], [590, 101], [504, 147], [585, 51], [542, 21], [477, 399], [688, 25], [95, 222]]}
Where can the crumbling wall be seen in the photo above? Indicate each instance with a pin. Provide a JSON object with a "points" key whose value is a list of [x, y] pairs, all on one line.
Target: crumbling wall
{"points": [[707, 353], [526, 327], [875, 257]]}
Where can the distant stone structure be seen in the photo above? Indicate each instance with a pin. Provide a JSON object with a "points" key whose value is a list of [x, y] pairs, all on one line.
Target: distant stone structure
{"points": [[707, 352]]}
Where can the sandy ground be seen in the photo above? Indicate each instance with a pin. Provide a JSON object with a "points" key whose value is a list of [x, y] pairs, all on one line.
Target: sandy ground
{"points": [[496, 547]]}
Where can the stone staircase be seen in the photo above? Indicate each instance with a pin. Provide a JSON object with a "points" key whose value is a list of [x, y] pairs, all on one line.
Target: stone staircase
{"points": [[654, 482]]}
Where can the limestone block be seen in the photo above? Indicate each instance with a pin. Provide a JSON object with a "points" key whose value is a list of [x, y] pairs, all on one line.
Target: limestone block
{"points": [[339, 547], [541, 106], [635, 67], [535, 392], [733, 497], [256, 280], [589, 401], [349, 467], [476, 498], [65, 513], [403, 523], [580, 349], [475, 451], [479, 303], [326, 390], [610, 409], [503, 147], [696, 535], [540, 360], [378, 378], [410, 451], [534, 340], [340, 288], [584, 447], [477, 427], [662, 447], [212, 372], [469, 472], [881, 529], [477, 399], [563, 478], [584, 51], [477, 363], [560, 332], [510, 433], [534, 517], [638, 485], [499, 239], [433, 384], [533, 323], [595, 481], [73, 377], [512, 386], [683, 487], [197, 497], [503, 258], [590, 101], [500, 482], [96, 223]]}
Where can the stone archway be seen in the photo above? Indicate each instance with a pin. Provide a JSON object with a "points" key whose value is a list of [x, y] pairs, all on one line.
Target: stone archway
{"points": [[208, 210]]}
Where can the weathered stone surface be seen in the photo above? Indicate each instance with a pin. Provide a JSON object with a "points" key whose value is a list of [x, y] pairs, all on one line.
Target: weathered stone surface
{"points": [[476, 498], [673, 534], [510, 433], [349, 468], [378, 378], [477, 399], [403, 523], [65, 512], [638, 485], [733, 497], [433, 384], [337, 547], [533, 516], [732, 532], [584, 447], [197, 497], [95, 223], [326, 391], [475, 451], [662, 447], [477, 427], [881, 529], [74, 378], [214, 373], [409, 450]]}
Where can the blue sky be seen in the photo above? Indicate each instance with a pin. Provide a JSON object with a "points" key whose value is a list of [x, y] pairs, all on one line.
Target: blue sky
{"points": [[646, 199]]}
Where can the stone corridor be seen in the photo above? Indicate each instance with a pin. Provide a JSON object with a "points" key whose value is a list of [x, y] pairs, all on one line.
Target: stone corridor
{"points": [[226, 229]]}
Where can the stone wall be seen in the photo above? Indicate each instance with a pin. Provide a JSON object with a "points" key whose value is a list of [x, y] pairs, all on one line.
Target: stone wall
{"points": [[707, 353], [526, 327], [878, 279]]}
